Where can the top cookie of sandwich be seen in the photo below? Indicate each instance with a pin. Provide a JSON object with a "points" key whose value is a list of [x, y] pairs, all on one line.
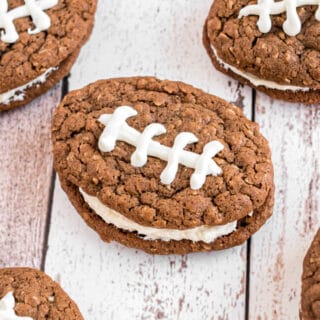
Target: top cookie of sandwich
{"points": [[29, 294], [310, 303], [162, 153], [37, 35], [271, 45]]}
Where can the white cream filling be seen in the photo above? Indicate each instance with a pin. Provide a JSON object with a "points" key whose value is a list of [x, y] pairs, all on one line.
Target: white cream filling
{"points": [[206, 234], [257, 82], [18, 94]]}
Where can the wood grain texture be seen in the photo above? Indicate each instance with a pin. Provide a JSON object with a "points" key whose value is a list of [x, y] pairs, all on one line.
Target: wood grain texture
{"points": [[277, 253], [25, 180], [161, 38]]}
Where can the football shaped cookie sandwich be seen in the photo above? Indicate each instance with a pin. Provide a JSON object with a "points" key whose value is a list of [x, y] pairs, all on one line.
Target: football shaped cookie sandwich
{"points": [[270, 45], [39, 42], [310, 302], [29, 294], [162, 166]]}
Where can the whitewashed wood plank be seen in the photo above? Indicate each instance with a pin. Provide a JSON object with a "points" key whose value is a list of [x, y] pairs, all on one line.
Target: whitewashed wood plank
{"points": [[25, 180], [161, 38], [278, 252], [111, 281]]}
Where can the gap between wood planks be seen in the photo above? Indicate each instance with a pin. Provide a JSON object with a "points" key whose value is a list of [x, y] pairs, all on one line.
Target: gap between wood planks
{"points": [[247, 298], [64, 91]]}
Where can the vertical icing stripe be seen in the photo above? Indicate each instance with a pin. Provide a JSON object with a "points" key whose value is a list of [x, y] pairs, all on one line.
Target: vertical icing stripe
{"points": [[265, 8], [7, 304], [33, 8]]}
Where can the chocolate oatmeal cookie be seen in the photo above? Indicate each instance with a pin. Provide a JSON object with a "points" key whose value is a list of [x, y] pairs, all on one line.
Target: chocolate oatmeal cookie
{"points": [[268, 46], [39, 42], [162, 166], [310, 304], [29, 294]]}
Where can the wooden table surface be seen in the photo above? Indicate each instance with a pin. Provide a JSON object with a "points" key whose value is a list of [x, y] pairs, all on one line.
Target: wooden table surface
{"points": [[39, 228]]}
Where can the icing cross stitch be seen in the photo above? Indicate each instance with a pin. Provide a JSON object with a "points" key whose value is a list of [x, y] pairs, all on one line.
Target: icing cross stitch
{"points": [[117, 129], [265, 8], [33, 8], [7, 308]]}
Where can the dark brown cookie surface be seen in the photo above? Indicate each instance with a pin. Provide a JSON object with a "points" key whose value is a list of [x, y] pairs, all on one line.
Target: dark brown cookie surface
{"points": [[244, 186], [36, 295], [137, 192], [290, 61], [32, 55], [35, 91], [310, 303]]}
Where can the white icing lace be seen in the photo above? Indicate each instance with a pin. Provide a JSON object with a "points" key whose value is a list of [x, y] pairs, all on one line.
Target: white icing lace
{"points": [[265, 8], [34, 9], [117, 129]]}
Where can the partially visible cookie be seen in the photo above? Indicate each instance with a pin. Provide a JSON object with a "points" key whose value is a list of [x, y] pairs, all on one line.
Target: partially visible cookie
{"points": [[272, 46], [39, 42], [29, 294], [162, 166], [310, 302]]}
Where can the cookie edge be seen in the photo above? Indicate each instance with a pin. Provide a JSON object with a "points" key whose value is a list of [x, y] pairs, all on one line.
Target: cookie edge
{"points": [[55, 284], [311, 97]]}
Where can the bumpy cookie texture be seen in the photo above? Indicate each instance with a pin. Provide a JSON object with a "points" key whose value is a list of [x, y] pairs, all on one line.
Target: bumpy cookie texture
{"points": [[33, 54], [37, 90], [36, 295], [273, 56], [245, 186], [310, 304]]}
